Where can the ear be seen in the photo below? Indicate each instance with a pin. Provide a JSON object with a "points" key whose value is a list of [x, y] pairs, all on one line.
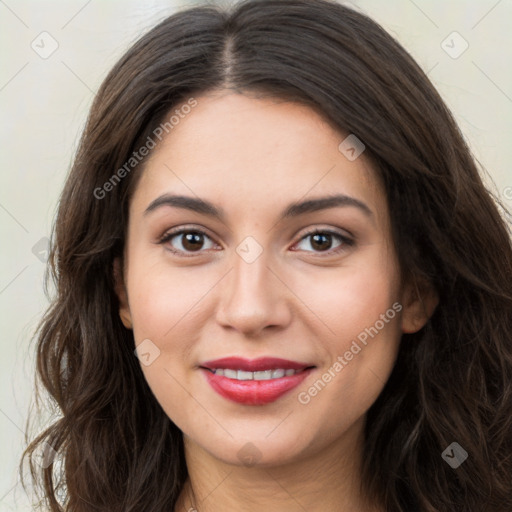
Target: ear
{"points": [[419, 300], [120, 289]]}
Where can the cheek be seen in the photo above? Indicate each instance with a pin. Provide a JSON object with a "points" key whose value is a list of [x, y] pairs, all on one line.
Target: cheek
{"points": [[168, 304], [164, 302], [162, 297], [360, 317], [352, 298]]}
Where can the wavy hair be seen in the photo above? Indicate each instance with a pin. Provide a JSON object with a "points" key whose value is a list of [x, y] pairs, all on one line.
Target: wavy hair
{"points": [[116, 450]]}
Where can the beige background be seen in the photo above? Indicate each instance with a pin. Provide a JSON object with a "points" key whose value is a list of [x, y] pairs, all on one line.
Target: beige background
{"points": [[44, 104]]}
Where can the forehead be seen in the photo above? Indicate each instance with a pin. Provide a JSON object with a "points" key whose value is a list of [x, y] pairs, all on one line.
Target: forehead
{"points": [[253, 154]]}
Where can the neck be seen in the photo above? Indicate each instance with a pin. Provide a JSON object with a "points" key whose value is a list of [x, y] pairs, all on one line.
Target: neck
{"points": [[329, 480]]}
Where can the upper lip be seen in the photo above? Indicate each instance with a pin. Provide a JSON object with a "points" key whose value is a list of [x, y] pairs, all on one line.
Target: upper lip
{"points": [[254, 365]]}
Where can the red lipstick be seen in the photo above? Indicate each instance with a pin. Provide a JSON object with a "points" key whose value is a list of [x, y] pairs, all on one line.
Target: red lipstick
{"points": [[254, 382]]}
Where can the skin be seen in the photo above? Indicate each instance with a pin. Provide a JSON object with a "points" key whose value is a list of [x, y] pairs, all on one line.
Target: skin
{"points": [[252, 157]]}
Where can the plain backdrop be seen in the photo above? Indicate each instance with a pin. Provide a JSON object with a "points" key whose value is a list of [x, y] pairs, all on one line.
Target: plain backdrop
{"points": [[465, 46]]}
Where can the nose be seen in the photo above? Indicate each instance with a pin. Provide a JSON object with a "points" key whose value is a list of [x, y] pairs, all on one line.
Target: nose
{"points": [[254, 297]]}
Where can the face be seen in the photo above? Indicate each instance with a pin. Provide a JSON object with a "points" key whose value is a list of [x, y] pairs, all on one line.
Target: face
{"points": [[275, 321]]}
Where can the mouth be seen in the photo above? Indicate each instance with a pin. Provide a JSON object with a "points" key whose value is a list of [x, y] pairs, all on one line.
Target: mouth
{"points": [[231, 373], [254, 382]]}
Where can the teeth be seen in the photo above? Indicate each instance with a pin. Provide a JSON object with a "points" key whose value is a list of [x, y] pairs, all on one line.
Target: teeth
{"points": [[265, 375], [259, 375]]}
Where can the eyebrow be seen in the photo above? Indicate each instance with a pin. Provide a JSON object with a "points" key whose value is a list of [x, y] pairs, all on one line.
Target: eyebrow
{"points": [[293, 210]]}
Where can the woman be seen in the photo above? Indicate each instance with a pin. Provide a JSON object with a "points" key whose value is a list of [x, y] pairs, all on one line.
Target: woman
{"points": [[281, 283]]}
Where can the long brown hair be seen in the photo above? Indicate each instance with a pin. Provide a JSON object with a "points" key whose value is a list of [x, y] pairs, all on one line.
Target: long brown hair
{"points": [[117, 451]]}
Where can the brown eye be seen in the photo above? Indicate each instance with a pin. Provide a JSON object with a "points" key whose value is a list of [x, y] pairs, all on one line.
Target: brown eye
{"points": [[192, 241], [187, 241], [322, 241]]}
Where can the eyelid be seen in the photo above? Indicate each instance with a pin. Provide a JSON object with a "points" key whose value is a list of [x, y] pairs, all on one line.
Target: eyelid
{"points": [[347, 239], [182, 228], [342, 233], [171, 233]]}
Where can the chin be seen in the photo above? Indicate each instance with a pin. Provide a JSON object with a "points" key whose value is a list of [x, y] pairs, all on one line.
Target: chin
{"points": [[251, 449]]}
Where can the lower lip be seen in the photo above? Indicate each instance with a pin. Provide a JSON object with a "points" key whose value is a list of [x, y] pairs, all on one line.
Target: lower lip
{"points": [[254, 392]]}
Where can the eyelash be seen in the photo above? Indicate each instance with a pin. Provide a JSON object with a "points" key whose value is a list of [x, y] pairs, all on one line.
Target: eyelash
{"points": [[346, 241]]}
